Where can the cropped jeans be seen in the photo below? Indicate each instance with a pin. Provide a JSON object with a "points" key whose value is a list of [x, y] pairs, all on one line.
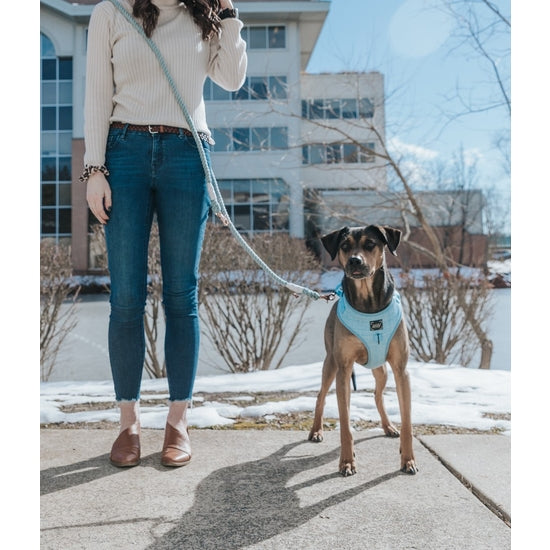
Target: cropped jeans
{"points": [[162, 174]]}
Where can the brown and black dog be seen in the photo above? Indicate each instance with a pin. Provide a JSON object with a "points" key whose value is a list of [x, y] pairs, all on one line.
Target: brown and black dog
{"points": [[368, 287]]}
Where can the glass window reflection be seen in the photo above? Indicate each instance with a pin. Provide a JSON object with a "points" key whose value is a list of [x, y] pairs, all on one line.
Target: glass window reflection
{"points": [[55, 140]]}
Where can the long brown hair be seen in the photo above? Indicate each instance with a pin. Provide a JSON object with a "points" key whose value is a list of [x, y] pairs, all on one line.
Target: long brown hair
{"points": [[204, 13]]}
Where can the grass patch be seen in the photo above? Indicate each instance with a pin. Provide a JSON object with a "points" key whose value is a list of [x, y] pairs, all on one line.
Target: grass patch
{"points": [[300, 421]]}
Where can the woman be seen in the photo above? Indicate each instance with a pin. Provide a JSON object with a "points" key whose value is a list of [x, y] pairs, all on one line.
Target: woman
{"points": [[141, 161]]}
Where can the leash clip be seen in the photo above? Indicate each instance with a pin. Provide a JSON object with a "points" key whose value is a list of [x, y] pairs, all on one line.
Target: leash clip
{"points": [[328, 297], [222, 218]]}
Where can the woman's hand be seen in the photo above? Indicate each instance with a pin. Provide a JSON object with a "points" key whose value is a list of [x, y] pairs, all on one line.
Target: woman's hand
{"points": [[98, 195]]}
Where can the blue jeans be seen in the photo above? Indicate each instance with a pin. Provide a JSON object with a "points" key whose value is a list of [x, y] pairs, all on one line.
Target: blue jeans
{"points": [[162, 174]]}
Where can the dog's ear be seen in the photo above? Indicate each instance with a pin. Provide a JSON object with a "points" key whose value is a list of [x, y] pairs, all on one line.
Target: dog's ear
{"points": [[390, 236], [333, 240]]}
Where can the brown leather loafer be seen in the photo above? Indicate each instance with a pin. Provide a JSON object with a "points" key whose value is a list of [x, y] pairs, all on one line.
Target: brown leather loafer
{"points": [[126, 450], [176, 450]]}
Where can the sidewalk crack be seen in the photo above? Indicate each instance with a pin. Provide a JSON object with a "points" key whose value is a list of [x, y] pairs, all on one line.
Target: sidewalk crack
{"points": [[482, 497]]}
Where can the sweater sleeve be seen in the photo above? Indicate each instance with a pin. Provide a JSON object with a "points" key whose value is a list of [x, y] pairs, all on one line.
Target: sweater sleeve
{"points": [[228, 59], [98, 103]]}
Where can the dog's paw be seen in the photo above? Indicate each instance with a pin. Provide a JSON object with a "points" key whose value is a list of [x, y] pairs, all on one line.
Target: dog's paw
{"points": [[347, 468], [409, 467], [391, 431], [316, 437]]}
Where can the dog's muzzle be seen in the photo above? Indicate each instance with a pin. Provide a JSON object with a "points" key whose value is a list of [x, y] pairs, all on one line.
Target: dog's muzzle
{"points": [[356, 268]]}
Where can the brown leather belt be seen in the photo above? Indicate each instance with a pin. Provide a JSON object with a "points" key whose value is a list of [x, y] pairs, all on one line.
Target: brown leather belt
{"points": [[157, 129]]}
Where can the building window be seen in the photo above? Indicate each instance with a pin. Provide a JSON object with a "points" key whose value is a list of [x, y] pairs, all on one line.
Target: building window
{"points": [[56, 124], [348, 108], [338, 153], [337, 108], [250, 139], [264, 37], [334, 154], [366, 108], [256, 205], [254, 88]]}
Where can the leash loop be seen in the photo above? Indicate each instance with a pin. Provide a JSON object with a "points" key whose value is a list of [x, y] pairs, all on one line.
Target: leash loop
{"points": [[216, 199]]}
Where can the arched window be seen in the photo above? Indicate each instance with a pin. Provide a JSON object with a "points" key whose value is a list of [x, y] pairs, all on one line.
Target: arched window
{"points": [[56, 129]]}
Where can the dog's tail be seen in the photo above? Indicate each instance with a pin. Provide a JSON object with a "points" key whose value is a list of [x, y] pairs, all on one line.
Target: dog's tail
{"points": [[353, 380]]}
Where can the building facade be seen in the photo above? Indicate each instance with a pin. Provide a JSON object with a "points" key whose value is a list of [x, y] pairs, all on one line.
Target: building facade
{"points": [[283, 135], [295, 152]]}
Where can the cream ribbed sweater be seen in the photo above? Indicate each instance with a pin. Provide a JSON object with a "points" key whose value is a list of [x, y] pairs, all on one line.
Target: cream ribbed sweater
{"points": [[124, 81]]}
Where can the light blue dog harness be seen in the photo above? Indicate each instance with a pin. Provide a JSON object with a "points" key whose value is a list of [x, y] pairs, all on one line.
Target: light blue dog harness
{"points": [[375, 330]]}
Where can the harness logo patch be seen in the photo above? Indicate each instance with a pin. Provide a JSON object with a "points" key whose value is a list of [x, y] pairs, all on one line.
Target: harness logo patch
{"points": [[377, 325]]}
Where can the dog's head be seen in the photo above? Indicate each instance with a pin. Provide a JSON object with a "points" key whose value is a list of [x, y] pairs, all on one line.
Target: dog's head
{"points": [[360, 250]]}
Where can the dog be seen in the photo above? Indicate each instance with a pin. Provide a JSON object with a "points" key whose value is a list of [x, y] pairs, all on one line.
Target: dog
{"points": [[368, 300]]}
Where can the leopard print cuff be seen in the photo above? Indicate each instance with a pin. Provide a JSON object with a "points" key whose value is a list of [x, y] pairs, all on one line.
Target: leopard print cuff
{"points": [[89, 170]]}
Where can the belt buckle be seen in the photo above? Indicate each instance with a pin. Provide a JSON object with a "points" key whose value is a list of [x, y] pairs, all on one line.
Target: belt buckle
{"points": [[151, 130]]}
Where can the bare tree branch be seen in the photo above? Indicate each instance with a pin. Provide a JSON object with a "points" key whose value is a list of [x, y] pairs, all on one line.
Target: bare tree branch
{"points": [[57, 303]]}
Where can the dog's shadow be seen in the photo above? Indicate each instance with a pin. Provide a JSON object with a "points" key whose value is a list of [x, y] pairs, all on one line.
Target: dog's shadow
{"points": [[244, 504]]}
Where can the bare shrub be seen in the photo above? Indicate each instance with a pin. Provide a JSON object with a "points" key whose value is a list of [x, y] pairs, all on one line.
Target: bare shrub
{"points": [[155, 364], [97, 244], [252, 321], [446, 316], [58, 298]]}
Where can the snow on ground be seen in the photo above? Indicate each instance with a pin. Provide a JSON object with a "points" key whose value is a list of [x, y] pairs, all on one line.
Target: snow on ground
{"points": [[446, 395], [441, 394]]}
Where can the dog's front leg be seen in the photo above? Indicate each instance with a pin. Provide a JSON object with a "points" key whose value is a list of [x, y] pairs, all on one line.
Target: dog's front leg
{"points": [[329, 372], [381, 377], [403, 386], [343, 393]]}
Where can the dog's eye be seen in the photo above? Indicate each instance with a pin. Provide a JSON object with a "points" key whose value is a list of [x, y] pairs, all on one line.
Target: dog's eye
{"points": [[345, 246], [369, 245]]}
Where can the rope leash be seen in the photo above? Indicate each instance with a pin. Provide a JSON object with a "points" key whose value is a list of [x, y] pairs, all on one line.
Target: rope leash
{"points": [[217, 204]]}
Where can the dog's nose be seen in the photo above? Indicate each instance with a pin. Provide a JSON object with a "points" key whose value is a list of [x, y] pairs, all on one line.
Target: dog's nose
{"points": [[355, 261]]}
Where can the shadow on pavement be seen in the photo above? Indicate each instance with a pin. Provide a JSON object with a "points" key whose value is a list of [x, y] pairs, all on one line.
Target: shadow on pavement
{"points": [[71, 475], [249, 502]]}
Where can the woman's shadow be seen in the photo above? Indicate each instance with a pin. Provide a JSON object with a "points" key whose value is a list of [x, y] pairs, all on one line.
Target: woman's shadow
{"points": [[64, 477], [250, 502]]}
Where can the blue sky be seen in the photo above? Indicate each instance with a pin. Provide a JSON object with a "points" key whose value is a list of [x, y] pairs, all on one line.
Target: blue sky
{"points": [[414, 45]]}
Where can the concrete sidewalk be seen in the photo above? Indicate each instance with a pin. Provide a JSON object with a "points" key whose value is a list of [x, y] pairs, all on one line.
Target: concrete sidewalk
{"points": [[273, 489]]}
